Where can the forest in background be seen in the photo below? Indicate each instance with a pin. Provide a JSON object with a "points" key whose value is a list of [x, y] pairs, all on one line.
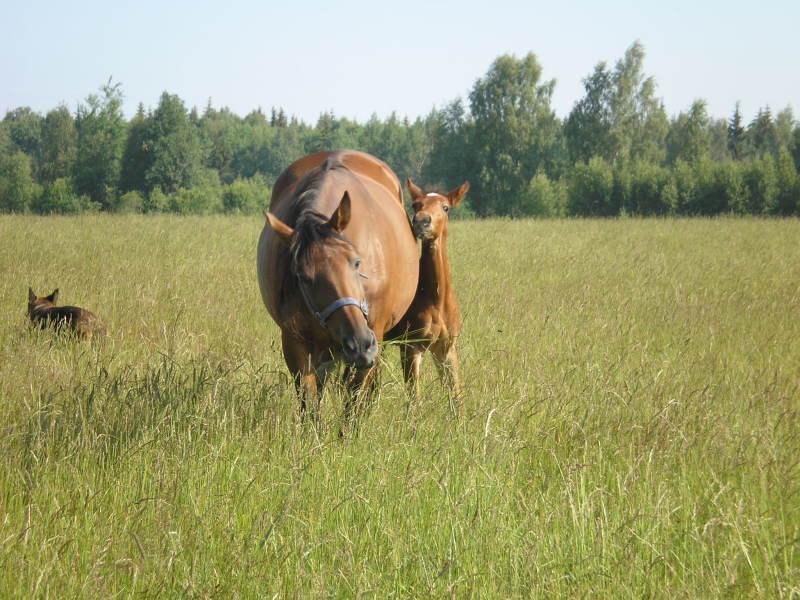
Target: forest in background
{"points": [[616, 153]]}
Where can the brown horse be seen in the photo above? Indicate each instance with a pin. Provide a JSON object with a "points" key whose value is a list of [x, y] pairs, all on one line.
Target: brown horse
{"points": [[434, 321], [337, 266]]}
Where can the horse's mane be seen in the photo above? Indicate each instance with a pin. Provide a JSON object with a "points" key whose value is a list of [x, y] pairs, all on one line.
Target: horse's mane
{"points": [[310, 225]]}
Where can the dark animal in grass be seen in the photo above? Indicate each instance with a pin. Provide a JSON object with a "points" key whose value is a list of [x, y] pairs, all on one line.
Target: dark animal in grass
{"points": [[44, 313], [433, 322]]}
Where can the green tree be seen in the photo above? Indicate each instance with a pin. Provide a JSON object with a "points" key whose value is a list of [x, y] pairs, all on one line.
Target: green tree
{"points": [[761, 178], [587, 130], [451, 160], [137, 156], [731, 181], [736, 134], [246, 196], [24, 127], [219, 130], [514, 132], [591, 189], [761, 133], [619, 117], [59, 145], [795, 148], [177, 152], [787, 201], [18, 191], [784, 129], [648, 181], [543, 197], [101, 137], [688, 137], [60, 197], [718, 140]]}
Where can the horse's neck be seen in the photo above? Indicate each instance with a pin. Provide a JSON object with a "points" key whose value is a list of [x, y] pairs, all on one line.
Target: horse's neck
{"points": [[434, 270]]}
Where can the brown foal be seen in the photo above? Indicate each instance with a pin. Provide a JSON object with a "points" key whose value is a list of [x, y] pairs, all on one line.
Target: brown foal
{"points": [[433, 322]]}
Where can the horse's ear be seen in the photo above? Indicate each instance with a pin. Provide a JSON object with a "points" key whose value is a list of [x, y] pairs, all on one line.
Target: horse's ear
{"points": [[341, 216], [457, 195], [281, 229], [54, 296], [31, 295], [413, 189]]}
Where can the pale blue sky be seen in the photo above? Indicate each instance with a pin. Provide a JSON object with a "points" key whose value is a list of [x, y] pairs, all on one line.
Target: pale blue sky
{"points": [[357, 58]]}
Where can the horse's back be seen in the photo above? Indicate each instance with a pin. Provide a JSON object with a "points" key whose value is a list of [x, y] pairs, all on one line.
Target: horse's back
{"points": [[362, 164], [379, 227]]}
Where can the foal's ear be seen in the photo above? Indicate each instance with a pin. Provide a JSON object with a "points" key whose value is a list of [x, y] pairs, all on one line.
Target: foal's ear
{"points": [[31, 295], [457, 195], [54, 296], [413, 189], [341, 216], [281, 229]]}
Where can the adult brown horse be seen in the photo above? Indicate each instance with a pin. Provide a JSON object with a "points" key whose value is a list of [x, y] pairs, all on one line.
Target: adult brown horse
{"points": [[337, 266]]}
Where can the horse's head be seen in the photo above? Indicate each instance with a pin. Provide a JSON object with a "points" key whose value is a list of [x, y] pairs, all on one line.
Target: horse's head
{"points": [[325, 265], [431, 210]]}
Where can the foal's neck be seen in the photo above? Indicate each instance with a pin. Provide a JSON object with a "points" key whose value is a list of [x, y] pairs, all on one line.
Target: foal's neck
{"points": [[434, 269]]}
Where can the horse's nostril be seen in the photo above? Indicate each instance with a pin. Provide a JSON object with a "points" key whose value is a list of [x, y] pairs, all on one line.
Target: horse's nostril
{"points": [[349, 345]]}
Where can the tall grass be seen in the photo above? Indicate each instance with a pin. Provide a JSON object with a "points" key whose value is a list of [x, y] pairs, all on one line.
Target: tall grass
{"points": [[629, 426]]}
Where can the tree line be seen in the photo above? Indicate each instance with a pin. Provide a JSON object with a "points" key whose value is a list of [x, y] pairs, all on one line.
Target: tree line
{"points": [[617, 152]]}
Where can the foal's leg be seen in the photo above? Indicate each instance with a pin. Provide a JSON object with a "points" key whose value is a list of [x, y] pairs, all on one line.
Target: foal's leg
{"points": [[411, 359], [447, 363]]}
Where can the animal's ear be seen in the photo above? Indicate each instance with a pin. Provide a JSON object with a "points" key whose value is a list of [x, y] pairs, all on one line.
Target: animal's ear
{"points": [[457, 195], [54, 296], [281, 229], [413, 189], [31, 295], [341, 216]]}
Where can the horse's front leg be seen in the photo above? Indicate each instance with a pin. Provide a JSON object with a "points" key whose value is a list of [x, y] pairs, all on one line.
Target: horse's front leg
{"points": [[300, 361], [360, 387]]}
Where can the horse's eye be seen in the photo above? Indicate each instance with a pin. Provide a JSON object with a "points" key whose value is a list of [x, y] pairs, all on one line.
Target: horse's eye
{"points": [[357, 263]]}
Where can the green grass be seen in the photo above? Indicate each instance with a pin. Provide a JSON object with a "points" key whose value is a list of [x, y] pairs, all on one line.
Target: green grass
{"points": [[629, 427]]}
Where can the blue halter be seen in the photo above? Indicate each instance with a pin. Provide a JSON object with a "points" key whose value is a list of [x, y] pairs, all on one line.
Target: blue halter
{"points": [[323, 315]]}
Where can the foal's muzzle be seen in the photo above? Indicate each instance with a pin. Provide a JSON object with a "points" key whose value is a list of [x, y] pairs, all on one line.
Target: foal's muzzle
{"points": [[421, 226]]}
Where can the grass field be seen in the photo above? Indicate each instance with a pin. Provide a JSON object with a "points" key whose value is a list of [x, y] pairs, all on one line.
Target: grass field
{"points": [[630, 425]]}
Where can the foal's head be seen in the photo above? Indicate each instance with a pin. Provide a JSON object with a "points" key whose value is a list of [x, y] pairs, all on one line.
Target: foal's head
{"points": [[431, 210], [326, 267]]}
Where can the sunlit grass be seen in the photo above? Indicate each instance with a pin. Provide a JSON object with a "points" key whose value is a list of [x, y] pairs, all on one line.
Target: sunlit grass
{"points": [[629, 426]]}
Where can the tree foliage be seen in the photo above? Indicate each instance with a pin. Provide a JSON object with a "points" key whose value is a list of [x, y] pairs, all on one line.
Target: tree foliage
{"points": [[616, 152]]}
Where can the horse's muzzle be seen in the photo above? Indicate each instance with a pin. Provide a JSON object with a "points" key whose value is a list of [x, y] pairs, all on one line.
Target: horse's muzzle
{"points": [[360, 351]]}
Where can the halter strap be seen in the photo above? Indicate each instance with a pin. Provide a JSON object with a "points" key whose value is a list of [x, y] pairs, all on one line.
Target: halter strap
{"points": [[325, 313]]}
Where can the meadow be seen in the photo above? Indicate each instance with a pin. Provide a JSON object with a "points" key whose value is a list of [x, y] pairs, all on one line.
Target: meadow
{"points": [[629, 427]]}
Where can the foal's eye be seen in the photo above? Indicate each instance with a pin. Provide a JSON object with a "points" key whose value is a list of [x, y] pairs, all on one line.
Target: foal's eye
{"points": [[357, 263]]}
